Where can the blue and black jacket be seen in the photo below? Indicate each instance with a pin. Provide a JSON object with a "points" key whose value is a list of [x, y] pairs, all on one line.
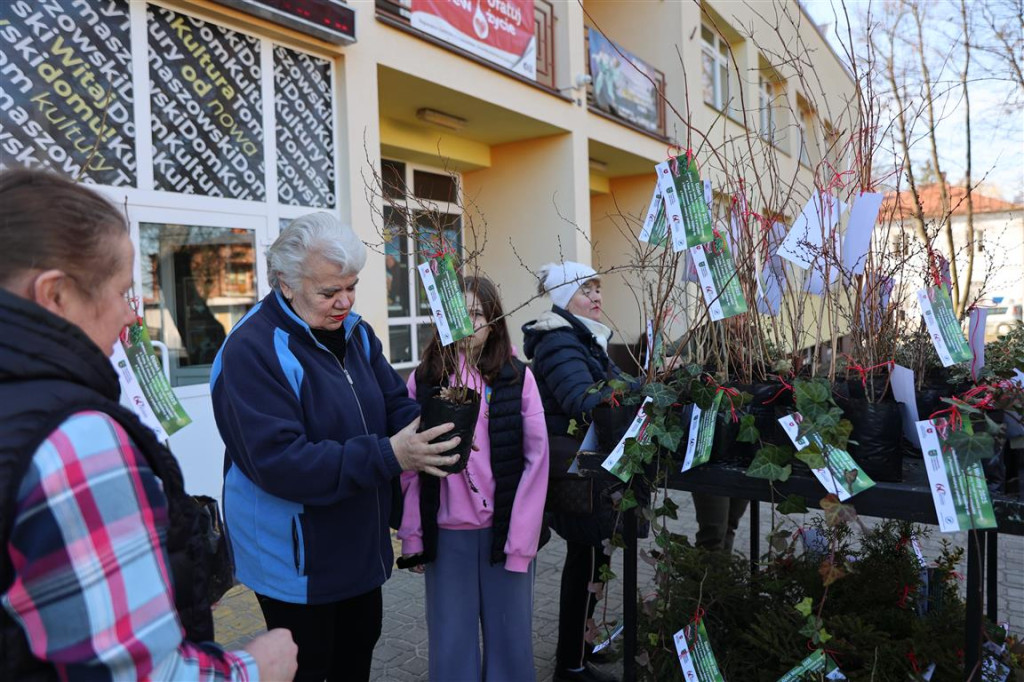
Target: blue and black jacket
{"points": [[310, 476]]}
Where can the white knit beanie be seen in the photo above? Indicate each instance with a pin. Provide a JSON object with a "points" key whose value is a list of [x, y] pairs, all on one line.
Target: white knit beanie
{"points": [[561, 280]]}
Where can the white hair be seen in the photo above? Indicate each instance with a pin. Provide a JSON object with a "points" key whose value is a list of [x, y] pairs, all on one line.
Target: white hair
{"points": [[320, 233]]}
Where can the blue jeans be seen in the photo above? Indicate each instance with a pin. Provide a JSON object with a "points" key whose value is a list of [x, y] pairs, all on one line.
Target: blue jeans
{"points": [[466, 592]]}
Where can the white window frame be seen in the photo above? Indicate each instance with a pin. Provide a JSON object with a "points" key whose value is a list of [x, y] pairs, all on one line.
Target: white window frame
{"points": [[766, 107], [413, 321], [717, 51]]}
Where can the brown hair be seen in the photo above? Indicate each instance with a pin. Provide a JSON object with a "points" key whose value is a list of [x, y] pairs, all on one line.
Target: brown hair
{"points": [[496, 351], [49, 222]]}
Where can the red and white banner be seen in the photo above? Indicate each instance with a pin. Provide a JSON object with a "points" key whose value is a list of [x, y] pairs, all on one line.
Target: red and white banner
{"points": [[500, 31]]}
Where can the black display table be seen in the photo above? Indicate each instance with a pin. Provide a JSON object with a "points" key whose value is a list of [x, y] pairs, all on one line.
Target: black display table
{"points": [[909, 500]]}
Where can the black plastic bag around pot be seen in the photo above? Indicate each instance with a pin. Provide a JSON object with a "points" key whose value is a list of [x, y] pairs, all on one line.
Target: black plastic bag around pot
{"points": [[877, 430], [876, 383], [437, 411], [611, 423], [769, 403]]}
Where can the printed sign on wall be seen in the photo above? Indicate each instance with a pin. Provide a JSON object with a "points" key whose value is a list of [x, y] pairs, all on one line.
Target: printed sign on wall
{"points": [[206, 108], [624, 85], [305, 129], [500, 31], [67, 101]]}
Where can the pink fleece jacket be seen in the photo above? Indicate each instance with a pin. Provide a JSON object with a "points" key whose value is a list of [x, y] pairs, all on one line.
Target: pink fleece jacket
{"points": [[462, 508]]}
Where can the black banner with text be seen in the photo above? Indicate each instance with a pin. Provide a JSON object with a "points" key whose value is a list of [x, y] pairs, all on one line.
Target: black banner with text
{"points": [[305, 129], [66, 103], [206, 108]]}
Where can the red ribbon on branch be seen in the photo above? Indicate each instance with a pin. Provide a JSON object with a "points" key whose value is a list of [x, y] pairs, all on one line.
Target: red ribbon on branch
{"points": [[912, 657], [785, 387], [730, 393], [904, 595], [864, 371]]}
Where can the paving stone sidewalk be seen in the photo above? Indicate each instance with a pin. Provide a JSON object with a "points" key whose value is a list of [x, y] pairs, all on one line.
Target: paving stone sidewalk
{"points": [[401, 654]]}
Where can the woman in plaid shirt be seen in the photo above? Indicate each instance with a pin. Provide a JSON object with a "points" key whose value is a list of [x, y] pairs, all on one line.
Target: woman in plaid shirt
{"points": [[86, 582]]}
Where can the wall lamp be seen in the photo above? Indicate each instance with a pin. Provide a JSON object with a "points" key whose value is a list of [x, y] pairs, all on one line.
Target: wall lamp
{"points": [[439, 118]]}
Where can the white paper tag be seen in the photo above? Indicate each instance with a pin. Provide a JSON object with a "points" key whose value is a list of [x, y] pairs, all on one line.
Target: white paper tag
{"points": [[902, 382], [802, 246], [859, 227], [976, 339]]}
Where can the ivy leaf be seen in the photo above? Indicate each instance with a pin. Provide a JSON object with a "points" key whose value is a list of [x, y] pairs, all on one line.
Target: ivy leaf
{"points": [[829, 418], [805, 606], [971, 447], [748, 432], [779, 541], [573, 427], [823, 635], [810, 630], [836, 512], [667, 437], [662, 395], [830, 572], [703, 394], [772, 463], [812, 457], [793, 504], [628, 500], [811, 391], [668, 509]]}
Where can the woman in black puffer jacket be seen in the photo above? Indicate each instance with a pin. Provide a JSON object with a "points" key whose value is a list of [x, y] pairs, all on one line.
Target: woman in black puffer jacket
{"points": [[568, 347]]}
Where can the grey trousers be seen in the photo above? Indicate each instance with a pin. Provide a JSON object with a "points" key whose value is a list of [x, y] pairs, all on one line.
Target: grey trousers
{"points": [[717, 520], [465, 593]]}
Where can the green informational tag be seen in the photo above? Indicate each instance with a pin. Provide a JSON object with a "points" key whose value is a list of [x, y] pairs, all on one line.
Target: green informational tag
{"points": [[695, 655], [686, 211], [718, 279], [943, 325], [144, 385], [655, 228], [841, 475], [702, 434], [817, 666], [638, 431], [960, 495], [446, 298]]}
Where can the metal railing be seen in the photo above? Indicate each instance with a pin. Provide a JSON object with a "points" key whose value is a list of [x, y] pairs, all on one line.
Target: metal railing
{"points": [[397, 13]]}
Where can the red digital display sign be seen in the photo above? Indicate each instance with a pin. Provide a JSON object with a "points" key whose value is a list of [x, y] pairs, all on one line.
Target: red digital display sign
{"points": [[328, 20]]}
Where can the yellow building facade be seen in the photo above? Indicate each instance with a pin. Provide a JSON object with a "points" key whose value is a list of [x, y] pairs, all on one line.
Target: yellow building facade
{"points": [[215, 123]]}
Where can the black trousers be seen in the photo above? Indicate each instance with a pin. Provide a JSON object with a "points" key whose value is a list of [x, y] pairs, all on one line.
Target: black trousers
{"points": [[576, 604], [335, 640]]}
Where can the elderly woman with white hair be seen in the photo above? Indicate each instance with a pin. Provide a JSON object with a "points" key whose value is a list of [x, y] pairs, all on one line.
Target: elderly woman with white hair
{"points": [[317, 428], [569, 349]]}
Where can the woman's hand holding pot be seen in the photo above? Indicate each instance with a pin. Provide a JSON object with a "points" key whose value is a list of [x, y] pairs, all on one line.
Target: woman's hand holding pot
{"points": [[415, 452]]}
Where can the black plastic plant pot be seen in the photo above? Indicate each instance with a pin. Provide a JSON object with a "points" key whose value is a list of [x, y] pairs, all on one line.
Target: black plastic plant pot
{"points": [[611, 423], [438, 411], [877, 430], [769, 402]]}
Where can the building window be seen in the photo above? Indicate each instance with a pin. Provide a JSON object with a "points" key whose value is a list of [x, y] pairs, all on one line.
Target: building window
{"points": [[805, 122], [766, 105], [198, 281], [417, 223], [715, 69]]}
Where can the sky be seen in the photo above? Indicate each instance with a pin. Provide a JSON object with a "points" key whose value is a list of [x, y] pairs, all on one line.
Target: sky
{"points": [[997, 134]]}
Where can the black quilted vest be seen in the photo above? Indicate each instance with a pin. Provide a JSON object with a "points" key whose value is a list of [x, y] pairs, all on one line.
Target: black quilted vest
{"points": [[505, 428], [50, 370]]}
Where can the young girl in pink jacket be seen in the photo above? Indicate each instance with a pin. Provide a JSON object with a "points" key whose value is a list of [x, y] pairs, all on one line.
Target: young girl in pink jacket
{"points": [[476, 532]]}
